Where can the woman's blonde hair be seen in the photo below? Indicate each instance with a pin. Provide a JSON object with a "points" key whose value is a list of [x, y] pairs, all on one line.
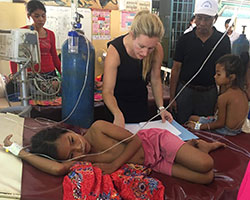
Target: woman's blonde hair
{"points": [[148, 24]]}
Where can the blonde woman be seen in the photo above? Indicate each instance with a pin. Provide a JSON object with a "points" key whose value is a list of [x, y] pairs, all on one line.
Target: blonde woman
{"points": [[130, 58]]}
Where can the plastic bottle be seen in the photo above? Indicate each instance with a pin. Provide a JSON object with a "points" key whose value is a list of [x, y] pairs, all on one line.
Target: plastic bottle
{"points": [[73, 42]]}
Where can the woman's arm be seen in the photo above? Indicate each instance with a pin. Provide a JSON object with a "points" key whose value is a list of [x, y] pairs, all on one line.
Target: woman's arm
{"points": [[56, 60], [112, 61], [156, 82], [49, 166], [13, 67], [117, 133]]}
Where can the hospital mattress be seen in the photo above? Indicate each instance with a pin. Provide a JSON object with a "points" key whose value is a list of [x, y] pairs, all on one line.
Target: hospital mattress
{"points": [[11, 166]]}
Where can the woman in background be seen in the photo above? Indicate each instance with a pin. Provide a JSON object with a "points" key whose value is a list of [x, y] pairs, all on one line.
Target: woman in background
{"points": [[49, 59], [130, 58]]}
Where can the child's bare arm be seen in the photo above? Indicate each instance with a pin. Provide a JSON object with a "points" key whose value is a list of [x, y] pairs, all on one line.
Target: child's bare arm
{"points": [[118, 133], [221, 117], [44, 164]]}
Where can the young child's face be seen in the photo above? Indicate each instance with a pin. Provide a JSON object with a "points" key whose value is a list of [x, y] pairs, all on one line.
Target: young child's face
{"points": [[220, 75], [71, 145]]}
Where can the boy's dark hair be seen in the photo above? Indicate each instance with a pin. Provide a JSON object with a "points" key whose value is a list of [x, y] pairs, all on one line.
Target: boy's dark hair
{"points": [[34, 5], [235, 65], [227, 21], [43, 142], [191, 20]]}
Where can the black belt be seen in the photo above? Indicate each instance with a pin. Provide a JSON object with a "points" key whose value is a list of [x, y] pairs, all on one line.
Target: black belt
{"points": [[199, 88]]}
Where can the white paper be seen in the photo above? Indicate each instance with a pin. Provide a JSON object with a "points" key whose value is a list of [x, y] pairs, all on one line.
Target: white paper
{"points": [[135, 127], [158, 124]]}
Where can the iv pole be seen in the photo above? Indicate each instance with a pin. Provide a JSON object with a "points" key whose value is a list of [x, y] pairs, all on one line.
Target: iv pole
{"points": [[23, 89], [25, 108]]}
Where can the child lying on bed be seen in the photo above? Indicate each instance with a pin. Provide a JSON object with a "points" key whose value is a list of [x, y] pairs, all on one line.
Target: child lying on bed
{"points": [[155, 148], [232, 104]]}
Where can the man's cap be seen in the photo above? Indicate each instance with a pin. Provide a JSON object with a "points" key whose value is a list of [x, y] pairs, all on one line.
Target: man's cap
{"points": [[206, 7]]}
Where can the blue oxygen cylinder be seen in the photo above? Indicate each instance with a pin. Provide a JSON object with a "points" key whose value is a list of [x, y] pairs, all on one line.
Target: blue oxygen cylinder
{"points": [[77, 76], [241, 44]]}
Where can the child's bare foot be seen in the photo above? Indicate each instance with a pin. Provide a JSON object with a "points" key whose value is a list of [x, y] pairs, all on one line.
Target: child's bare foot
{"points": [[207, 147]]}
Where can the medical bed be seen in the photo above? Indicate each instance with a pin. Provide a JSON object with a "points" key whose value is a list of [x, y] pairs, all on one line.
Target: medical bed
{"points": [[230, 165], [229, 168]]}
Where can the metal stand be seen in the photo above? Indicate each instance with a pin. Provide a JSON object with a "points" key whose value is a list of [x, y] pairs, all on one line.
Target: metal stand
{"points": [[25, 108], [20, 46], [23, 86]]}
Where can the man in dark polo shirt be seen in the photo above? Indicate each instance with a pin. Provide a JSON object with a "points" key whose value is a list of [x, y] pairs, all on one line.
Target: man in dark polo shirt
{"points": [[192, 49]]}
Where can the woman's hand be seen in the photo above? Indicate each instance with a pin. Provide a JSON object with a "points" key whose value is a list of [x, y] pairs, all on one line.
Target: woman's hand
{"points": [[165, 115], [107, 168], [119, 120]]}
